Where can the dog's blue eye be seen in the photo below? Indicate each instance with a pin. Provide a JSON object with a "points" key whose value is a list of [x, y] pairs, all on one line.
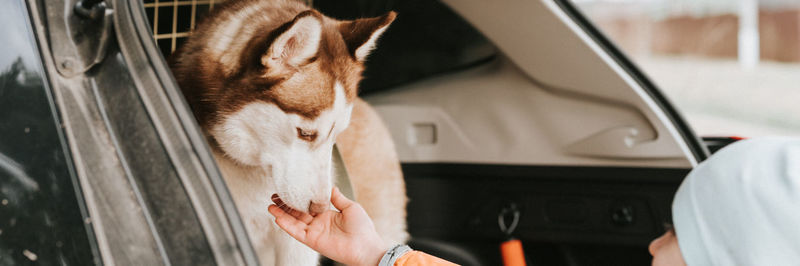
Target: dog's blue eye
{"points": [[307, 135]]}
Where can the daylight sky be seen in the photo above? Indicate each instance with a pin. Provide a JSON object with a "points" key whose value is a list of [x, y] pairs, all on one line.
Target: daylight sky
{"points": [[13, 17]]}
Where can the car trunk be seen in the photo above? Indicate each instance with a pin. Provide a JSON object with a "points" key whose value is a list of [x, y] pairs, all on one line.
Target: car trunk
{"points": [[527, 111]]}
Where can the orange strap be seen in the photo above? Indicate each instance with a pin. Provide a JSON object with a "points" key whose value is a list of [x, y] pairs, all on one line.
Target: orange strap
{"points": [[512, 253], [419, 258]]}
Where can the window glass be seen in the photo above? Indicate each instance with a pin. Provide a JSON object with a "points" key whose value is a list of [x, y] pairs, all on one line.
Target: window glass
{"points": [[731, 67], [41, 219]]}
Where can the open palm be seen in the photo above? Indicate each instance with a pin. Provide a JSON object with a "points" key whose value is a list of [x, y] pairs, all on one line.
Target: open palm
{"points": [[347, 236]]}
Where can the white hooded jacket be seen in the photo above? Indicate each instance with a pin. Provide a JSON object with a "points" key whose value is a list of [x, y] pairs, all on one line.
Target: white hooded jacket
{"points": [[742, 206]]}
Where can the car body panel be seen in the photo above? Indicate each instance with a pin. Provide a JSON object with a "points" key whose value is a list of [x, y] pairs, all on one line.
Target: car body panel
{"points": [[152, 190]]}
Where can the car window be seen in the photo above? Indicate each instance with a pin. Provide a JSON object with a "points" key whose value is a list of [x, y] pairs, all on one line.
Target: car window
{"points": [[731, 67], [42, 218]]}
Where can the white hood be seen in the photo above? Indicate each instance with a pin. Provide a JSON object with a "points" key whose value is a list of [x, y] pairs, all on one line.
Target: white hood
{"points": [[742, 206]]}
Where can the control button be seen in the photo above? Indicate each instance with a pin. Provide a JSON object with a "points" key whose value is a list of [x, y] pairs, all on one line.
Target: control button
{"points": [[623, 214]]}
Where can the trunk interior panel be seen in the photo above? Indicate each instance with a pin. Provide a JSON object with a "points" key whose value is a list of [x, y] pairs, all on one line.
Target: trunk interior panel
{"points": [[567, 215]]}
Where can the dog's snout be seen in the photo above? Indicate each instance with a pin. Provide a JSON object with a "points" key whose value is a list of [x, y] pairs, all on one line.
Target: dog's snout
{"points": [[315, 208]]}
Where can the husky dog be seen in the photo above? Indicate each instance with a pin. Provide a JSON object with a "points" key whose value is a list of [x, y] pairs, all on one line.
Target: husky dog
{"points": [[273, 85]]}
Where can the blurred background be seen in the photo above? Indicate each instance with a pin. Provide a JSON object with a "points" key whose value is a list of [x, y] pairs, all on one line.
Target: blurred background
{"points": [[731, 66]]}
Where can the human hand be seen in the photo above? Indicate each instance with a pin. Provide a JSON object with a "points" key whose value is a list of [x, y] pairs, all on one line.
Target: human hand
{"points": [[347, 236]]}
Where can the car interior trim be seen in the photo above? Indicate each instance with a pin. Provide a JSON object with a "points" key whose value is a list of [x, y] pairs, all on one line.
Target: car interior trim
{"points": [[635, 83], [695, 145], [495, 113], [557, 204], [563, 95]]}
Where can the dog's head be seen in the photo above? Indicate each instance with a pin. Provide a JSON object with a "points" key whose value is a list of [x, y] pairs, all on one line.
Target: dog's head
{"points": [[291, 95]]}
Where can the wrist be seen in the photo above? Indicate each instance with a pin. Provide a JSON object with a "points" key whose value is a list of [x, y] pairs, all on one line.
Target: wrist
{"points": [[393, 254], [374, 252], [375, 256]]}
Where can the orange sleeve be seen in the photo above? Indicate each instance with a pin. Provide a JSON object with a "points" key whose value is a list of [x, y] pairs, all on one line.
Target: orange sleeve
{"points": [[419, 258]]}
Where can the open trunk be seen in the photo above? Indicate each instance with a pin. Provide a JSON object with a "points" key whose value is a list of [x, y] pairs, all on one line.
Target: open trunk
{"points": [[523, 109]]}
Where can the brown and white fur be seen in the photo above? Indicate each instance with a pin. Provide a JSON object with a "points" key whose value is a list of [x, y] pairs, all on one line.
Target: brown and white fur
{"points": [[273, 84]]}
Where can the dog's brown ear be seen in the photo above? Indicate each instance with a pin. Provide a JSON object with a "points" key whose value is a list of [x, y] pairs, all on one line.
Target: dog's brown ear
{"points": [[360, 34], [294, 43]]}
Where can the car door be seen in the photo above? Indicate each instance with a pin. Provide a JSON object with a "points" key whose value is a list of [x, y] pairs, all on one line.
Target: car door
{"points": [[115, 170]]}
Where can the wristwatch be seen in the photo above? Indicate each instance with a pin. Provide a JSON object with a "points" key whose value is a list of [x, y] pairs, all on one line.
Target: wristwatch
{"points": [[393, 254]]}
